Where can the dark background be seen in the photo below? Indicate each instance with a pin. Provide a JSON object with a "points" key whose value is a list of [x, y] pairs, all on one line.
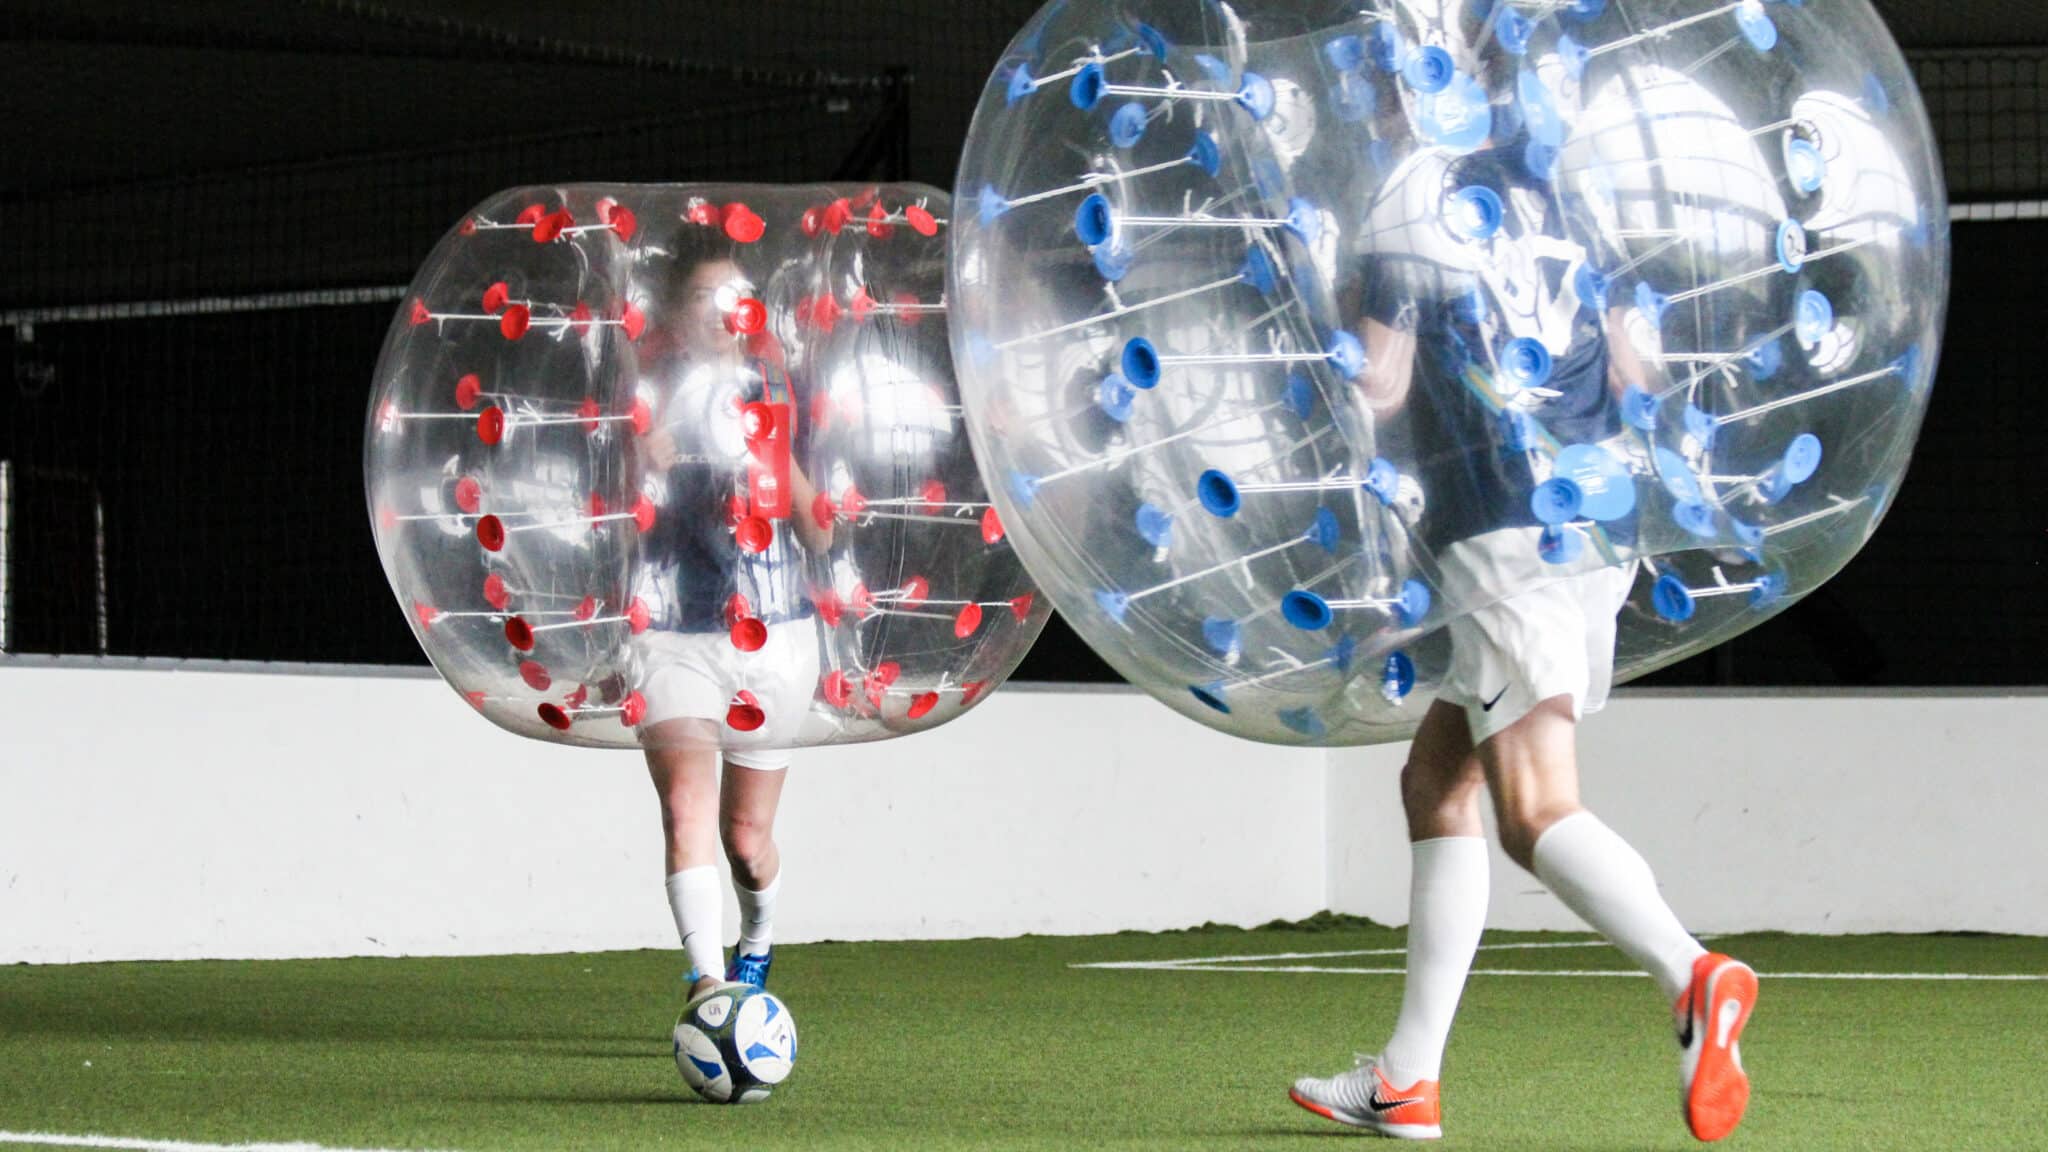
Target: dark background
{"points": [[166, 170]]}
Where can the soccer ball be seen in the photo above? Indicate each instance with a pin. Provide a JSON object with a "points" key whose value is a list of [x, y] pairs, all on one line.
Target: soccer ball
{"points": [[735, 1045]]}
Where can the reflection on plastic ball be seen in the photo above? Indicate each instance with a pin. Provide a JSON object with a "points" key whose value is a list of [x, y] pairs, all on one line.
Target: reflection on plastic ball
{"points": [[685, 465], [1293, 331]]}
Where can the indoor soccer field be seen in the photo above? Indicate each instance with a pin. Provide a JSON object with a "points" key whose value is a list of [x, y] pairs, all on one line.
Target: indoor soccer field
{"points": [[1180, 1040]]}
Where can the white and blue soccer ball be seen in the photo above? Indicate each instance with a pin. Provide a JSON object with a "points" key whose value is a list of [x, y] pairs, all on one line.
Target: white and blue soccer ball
{"points": [[735, 1045]]}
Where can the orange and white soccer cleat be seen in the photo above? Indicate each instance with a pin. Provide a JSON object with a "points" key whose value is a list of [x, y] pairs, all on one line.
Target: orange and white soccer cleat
{"points": [[1710, 1018], [1364, 1098]]}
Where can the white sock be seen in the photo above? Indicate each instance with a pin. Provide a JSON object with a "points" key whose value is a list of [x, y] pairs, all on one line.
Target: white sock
{"points": [[694, 897], [1446, 914], [1610, 886], [757, 915]]}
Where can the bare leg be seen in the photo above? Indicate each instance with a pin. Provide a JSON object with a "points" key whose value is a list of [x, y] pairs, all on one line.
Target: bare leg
{"points": [[749, 798], [682, 760]]}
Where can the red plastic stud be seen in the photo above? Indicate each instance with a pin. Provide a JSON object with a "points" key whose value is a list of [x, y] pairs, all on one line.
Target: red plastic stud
{"points": [[490, 425], [490, 532], [580, 318], [496, 297], [535, 675], [971, 690], [860, 305], [549, 228], [878, 223], [495, 593], [632, 320], [743, 225], [916, 592], [419, 314], [516, 320], [639, 617], [863, 601], [531, 214], [553, 716], [703, 214], [643, 417], [476, 700], [837, 215], [822, 511], [468, 391], [967, 622], [923, 704], [586, 609], [749, 317], [426, 614], [590, 413], [933, 494], [837, 690], [643, 515], [880, 679], [387, 517], [750, 635], [633, 710], [519, 634], [830, 608], [853, 503], [992, 531], [469, 495], [754, 534], [757, 421], [1021, 607], [745, 715], [921, 221]]}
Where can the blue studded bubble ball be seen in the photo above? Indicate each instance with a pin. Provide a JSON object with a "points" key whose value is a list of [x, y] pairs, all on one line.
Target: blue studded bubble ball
{"points": [[1292, 331]]}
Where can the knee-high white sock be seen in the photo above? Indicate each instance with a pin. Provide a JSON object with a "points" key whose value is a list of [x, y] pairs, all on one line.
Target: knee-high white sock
{"points": [[694, 897], [757, 916], [1446, 914], [1610, 886]]}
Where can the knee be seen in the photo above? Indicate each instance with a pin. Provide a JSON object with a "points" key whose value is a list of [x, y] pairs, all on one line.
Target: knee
{"points": [[1431, 799], [1522, 825], [747, 845]]}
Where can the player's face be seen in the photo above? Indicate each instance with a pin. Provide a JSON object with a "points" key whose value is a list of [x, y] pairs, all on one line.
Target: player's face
{"points": [[709, 295]]}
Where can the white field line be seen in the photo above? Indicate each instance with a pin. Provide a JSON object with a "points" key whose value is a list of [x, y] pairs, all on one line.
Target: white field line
{"points": [[1192, 962], [131, 1144], [1959, 977]]}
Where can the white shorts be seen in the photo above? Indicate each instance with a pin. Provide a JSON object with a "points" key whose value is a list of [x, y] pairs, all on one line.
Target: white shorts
{"points": [[696, 675], [1553, 640]]}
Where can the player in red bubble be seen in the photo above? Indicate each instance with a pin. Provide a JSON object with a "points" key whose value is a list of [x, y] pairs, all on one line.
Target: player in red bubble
{"points": [[732, 662], [1523, 671]]}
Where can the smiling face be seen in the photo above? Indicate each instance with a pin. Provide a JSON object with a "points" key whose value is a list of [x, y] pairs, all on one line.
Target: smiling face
{"points": [[708, 295]]}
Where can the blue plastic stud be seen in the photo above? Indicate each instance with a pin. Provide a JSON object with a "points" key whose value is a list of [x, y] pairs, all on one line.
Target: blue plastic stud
{"points": [[1561, 545], [1677, 476], [1672, 599], [1474, 213], [1094, 220], [990, 205], [1345, 53], [1024, 488], [1814, 318], [1556, 501], [1114, 397], [1573, 55], [1305, 220], [1257, 271], [1805, 165], [1300, 396], [1113, 261], [1141, 364], [1323, 530], [1397, 677], [1519, 431], [1791, 245], [1155, 525], [1155, 44], [1218, 493], [1458, 119], [1605, 484], [1639, 408], [1539, 109], [1211, 694], [1802, 458], [1592, 287], [1114, 604], [1222, 636], [1413, 604], [1086, 90], [1383, 480], [1206, 155], [1127, 126], [1512, 30], [1306, 610], [1770, 587], [1429, 70], [1021, 84], [1765, 360], [1525, 363], [1256, 96], [1697, 519], [1539, 160], [1387, 47], [1303, 721], [1652, 303], [1701, 427], [1342, 653], [1346, 353], [1756, 27]]}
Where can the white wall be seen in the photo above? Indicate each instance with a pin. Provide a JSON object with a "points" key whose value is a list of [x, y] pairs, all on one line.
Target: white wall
{"points": [[170, 814], [1798, 813], [154, 814]]}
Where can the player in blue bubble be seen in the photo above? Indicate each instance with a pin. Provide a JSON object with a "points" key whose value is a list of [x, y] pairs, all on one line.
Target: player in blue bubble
{"points": [[1486, 330]]}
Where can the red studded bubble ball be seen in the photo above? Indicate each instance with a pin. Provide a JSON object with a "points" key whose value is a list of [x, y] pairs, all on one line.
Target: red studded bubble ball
{"points": [[667, 465]]}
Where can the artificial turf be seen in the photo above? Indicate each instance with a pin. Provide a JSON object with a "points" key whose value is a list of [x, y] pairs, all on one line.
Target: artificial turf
{"points": [[1002, 1045]]}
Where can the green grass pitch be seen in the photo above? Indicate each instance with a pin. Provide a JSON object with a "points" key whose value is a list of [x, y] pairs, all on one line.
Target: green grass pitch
{"points": [[1005, 1045]]}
